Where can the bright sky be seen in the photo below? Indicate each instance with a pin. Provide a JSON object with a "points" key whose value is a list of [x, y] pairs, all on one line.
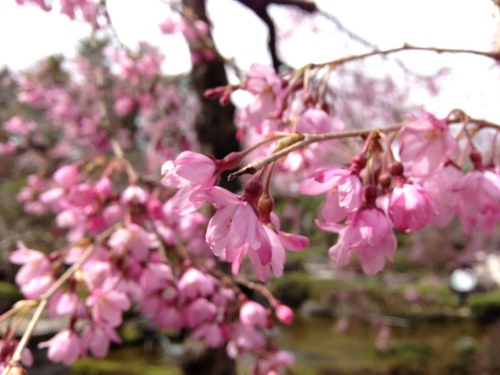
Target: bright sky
{"points": [[29, 34]]}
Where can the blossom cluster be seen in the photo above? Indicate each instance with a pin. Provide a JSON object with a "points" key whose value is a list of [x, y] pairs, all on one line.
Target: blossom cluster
{"points": [[146, 224], [405, 183], [135, 253]]}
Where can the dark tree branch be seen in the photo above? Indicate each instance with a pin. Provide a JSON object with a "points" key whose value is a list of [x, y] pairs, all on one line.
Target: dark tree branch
{"points": [[259, 7]]}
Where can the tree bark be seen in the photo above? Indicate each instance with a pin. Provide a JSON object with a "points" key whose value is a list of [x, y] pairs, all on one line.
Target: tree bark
{"points": [[217, 134], [214, 123]]}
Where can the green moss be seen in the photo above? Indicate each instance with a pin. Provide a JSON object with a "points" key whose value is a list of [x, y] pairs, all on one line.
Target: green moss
{"points": [[485, 306], [8, 290], [9, 294], [92, 366]]}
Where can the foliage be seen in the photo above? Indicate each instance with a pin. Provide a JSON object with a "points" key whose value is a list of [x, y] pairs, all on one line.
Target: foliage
{"points": [[485, 306]]}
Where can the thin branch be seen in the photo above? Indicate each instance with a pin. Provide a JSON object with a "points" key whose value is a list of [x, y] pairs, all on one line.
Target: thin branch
{"points": [[340, 26], [495, 55], [306, 140], [44, 299], [496, 14]]}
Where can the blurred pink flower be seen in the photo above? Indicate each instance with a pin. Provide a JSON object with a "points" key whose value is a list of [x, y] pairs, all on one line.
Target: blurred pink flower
{"points": [[441, 187], [34, 263], [194, 283], [64, 347], [199, 311], [425, 143], [368, 232], [253, 314], [479, 205], [284, 314], [210, 334], [97, 338], [107, 304]]}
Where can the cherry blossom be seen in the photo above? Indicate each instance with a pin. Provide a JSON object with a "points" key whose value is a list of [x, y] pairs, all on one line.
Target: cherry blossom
{"points": [[425, 142], [343, 188], [368, 232], [234, 226], [65, 347], [410, 207], [110, 151]]}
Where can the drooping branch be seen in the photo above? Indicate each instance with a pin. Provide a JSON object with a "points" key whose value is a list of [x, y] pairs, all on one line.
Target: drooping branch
{"points": [[303, 140], [495, 55]]}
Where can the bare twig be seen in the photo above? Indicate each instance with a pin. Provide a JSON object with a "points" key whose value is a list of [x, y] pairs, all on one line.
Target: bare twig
{"points": [[307, 139], [340, 26], [495, 55]]}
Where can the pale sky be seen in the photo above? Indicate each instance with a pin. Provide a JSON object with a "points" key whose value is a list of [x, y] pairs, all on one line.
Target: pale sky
{"points": [[28, 34]]}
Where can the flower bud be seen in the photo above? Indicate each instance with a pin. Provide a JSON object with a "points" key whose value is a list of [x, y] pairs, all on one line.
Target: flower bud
{"points": [[215, 92], [476, 159], [384, 179], [265, 206], [358, 163], [66, 176], [284, 314], [396, 168]]}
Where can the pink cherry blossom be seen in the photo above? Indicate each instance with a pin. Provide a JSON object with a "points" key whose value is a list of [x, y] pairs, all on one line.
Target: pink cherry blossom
{"points": [[253, 314], [134, 195], [274, 364], [107, 304], [235, 225], [133, 238], [425, 143], [199, 311], [368, 232], [267, 89], [317, 121], [210, 334], [155, 277], [480, 200], [279, 242], [64, 347], [344, 192], [97, 338], [244, 338], [18, 125], [194, 283], [191, 173], [284, 314], [66, 176], [410, 207], [34, 263], [168, 26], [123, 106], [441, 186], [67, 304], [169, 317]]}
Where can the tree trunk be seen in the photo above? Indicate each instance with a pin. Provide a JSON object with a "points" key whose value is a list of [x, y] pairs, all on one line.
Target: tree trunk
{"points": [[217, 134]]}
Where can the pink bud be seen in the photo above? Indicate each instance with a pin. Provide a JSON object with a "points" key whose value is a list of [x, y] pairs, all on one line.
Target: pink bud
{"points": [[253, 314], [103, 187], [214, 92], [284, 314], [66, 176]]}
